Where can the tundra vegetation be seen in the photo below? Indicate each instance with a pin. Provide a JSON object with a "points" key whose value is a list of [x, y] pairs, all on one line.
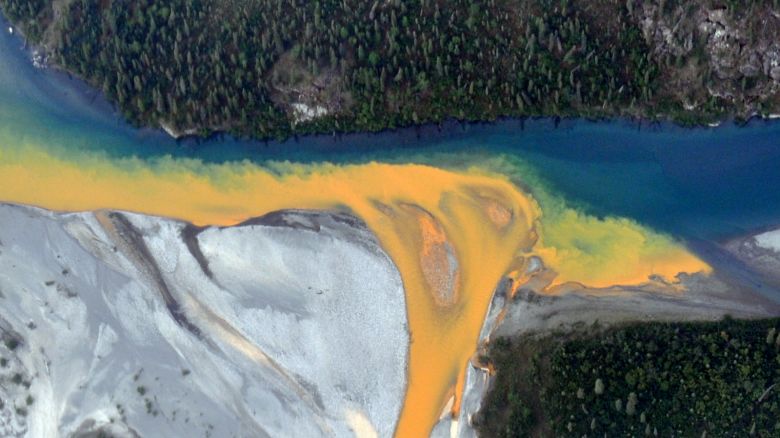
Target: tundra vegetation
{"points": [[650, 379], [282, 67]]}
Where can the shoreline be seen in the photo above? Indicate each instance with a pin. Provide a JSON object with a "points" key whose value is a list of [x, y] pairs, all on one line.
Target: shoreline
{"points": [[73, 83], [737, 287], [534, 313]]}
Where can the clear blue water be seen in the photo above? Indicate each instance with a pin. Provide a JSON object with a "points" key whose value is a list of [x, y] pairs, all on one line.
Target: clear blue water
{"points": [[693, 183]]}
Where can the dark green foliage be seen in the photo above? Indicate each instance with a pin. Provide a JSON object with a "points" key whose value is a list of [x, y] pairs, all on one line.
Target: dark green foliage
{"points": [[520, 422], [204, 65], [174, 61], [679, 379], [31, 15], [207, 63]]}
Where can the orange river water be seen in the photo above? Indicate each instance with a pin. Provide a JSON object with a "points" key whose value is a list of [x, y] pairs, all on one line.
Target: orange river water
{"points": [[451, 234]]}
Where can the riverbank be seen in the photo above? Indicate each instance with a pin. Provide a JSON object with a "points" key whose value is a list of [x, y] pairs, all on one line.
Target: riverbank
{"points": [[693, 76], [655, 378], [520, 383], [526, 314], [659, 174], [746, 285]]}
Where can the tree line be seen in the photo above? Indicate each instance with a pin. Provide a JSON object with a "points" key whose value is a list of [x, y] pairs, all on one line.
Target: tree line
{"points": [[651, 379], [216, 65], [208, 64]]}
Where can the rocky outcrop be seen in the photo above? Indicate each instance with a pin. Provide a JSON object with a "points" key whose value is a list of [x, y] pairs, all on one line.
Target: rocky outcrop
{"points": [[712, 52]]}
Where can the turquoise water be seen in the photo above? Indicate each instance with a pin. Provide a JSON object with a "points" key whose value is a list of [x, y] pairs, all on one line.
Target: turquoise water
{"points": [[707, 183]]}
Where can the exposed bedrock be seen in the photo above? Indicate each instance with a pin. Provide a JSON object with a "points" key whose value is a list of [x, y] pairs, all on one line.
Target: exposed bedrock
{"points": [[293, 324]]}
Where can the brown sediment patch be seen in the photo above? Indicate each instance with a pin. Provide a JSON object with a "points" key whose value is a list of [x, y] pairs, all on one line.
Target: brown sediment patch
{"points": [[500, 215], [437, 257]]}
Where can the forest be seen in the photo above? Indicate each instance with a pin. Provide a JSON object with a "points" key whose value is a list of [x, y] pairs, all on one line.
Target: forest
{"points": [[649, 379], [277, 68]]}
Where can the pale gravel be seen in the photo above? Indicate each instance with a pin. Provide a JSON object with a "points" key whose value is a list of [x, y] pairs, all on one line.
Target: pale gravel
{"points": [[343, 351]]}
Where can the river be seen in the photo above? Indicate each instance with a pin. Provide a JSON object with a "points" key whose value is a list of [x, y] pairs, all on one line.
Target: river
{"points": [[615, 201]]}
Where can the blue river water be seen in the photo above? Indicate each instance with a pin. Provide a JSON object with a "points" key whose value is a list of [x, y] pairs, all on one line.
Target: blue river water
{"points": [[702, 183]]}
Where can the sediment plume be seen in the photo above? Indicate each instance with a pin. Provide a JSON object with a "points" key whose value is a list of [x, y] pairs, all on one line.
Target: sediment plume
{"points": [[453, 235]]}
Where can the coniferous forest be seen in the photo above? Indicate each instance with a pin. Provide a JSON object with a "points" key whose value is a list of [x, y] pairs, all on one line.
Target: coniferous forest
{"points": [[281, 67], [652, 379]]}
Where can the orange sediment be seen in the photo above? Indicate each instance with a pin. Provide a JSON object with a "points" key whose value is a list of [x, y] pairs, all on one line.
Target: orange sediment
{"points": [[452, 236]]}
